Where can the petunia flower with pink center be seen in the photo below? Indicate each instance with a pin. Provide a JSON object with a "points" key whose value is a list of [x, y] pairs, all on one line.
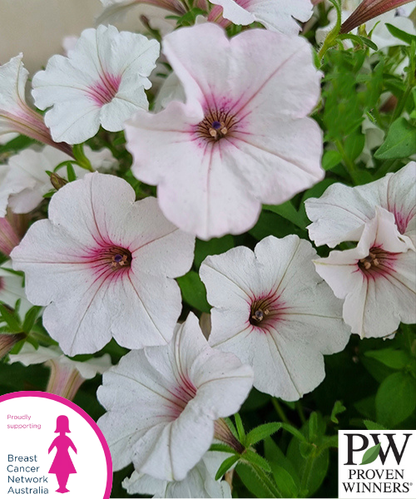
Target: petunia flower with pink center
{"points": [[104, 265], [276, 15], [271, 309], [377, 279], [340, 214], [15, 114], [242, 138], [101, 82], [162, 402]]}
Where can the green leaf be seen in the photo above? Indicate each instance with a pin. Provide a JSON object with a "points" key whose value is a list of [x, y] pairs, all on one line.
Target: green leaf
{"points": [[371, 454], [395, 399], [306, 449], [231, 426], [296, 433], [313, 427], [261, 432], [396, 359], [70, 172], [400, 141], [284, 481], [193, 291], [252, 457], [370, 425], [10, 319], [288, 211], [400, 34], [240, 427], [337, 409], [222, 448], [354, 145], [257, 481], [226, 465], [331, 159], [30, 319], [276, 457], [214, 246]]}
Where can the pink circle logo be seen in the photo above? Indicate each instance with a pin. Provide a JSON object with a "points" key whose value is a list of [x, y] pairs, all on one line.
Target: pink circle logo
{"points": [[51, 446]]}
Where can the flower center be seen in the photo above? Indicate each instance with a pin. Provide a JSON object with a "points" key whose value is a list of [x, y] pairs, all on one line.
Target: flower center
{"points": [[378, 261], [264, 311], [216, 125], [117, 258]]}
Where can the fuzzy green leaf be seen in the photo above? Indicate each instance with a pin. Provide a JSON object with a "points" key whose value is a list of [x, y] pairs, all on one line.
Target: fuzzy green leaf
{"points": [[226, 465], [261, 432]]}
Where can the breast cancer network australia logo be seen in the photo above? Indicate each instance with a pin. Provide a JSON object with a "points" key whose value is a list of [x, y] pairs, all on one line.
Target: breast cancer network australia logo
{"points": [[62, 465]]}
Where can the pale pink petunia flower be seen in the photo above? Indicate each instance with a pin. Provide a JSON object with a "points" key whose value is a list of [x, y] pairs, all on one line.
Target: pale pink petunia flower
{"points": [[15, 114], [242, 138], [26, 180], [66, 375], [339, 215], [101, 82], [104, 265], [272, 310], [163, 402], [199, 482], [377, 279], [276, 15]]}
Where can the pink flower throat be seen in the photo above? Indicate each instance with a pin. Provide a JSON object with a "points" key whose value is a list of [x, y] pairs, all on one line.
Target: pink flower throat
{"points": [[377, 263], [266, 311], [105, 90], [182, 394]]}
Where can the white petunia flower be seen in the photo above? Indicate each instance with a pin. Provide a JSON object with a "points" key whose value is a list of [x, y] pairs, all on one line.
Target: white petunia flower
{"points": [[275, 15], [15, 115], [101, 82], [339, 215], [377, 279], [67, 375], [104, 265], [163, 402], [154, 12], [199, 482], [26, 181], [274, 312], [242, 138]]}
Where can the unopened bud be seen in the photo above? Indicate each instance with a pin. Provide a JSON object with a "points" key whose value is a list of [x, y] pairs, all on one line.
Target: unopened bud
{"points": [[8, 341], [8, 237], [57, 181], [368, 9]]}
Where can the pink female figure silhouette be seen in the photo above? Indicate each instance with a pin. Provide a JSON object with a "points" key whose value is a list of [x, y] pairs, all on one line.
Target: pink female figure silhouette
{"points": [[62, 465]]}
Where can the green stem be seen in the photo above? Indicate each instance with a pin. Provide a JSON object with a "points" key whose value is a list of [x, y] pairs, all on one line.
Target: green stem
{"points": [[299, 409], [280, 411], [306, 473]]}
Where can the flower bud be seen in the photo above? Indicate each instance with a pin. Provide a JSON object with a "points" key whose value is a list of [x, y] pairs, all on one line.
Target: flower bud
{"points": [[57, 181], [368, 9], [8, 341], [8, 237]]}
